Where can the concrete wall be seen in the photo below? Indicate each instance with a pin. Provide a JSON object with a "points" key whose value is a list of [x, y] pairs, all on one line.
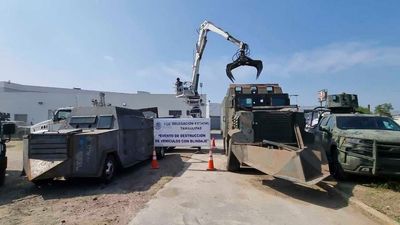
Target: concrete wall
{"points": [[215, 116], [215, 122]]}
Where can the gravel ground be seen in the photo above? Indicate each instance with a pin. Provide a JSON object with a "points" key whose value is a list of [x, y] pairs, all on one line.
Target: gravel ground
{"points": [[83, 201]]}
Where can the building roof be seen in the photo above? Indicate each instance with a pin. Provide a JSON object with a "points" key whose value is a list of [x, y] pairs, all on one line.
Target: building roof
{"points": [[7, 86]]}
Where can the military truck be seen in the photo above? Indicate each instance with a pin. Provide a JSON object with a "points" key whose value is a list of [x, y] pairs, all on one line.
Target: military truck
{"points": [[96, 142], [356, 143], [261, 129], [6, 130]]}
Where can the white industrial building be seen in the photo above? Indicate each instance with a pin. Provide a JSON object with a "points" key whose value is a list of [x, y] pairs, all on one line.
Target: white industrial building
{"points": [[33, 104], [214, 110]]}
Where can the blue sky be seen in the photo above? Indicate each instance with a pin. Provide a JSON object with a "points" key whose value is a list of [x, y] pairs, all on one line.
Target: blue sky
{"points": [[126, 46]]}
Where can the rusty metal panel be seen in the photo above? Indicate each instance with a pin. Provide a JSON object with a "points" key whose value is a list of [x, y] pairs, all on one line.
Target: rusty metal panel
{"points": [[43, 153], [48, 146], [275, 126], [135, 146], [39, 167], [46, 155], [84, 154], [308, 166]]}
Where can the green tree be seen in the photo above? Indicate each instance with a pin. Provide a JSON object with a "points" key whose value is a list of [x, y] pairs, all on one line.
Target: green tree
{"points": [[384, 109], [363, 110]]}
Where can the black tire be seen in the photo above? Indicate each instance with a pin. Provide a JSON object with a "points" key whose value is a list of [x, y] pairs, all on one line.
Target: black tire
{"points": [[109, 169], [233, 163], [3, 167], [41, 183], [160, 153], [2, 176], [335, 168]]}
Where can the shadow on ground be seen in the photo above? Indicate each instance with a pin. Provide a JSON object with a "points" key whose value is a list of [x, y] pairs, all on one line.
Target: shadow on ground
{"points": [[321, 195], [138, 178]]}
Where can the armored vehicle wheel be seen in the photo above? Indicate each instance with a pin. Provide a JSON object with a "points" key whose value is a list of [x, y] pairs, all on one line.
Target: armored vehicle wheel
{"points": [[41, 183], [3, 166], [160, 152], [2, 176], [233, 163], [335, 168], [109, 169]]}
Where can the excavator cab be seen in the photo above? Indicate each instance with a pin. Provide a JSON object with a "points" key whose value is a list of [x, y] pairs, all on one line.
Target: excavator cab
{"points": [[243, 60]]}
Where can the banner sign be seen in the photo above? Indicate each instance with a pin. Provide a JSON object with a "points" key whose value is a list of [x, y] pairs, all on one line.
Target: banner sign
{"points": [[193, 132]]}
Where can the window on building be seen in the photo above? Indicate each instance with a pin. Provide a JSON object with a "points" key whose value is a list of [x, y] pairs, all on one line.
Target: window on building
{"points": [[175, 113], [21, 117]]}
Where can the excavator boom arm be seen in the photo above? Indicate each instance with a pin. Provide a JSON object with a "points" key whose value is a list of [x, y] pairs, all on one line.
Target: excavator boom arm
{"points": [[191, 92], [242, 60]]}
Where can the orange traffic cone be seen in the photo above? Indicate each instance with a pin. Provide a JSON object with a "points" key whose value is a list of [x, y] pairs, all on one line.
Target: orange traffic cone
{"points": [[154, 163], [210, 160]]}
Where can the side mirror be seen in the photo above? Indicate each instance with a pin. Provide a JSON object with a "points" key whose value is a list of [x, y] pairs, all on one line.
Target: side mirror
{"points": [[324, 128], [309, 129], [8, 128]]}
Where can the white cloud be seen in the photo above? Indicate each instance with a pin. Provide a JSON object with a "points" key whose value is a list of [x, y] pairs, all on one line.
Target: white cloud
{"points": [[322, 60], [333, 58]]}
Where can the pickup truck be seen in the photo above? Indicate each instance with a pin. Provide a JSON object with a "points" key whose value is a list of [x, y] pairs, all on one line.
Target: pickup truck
{"points": [[359, 144]]}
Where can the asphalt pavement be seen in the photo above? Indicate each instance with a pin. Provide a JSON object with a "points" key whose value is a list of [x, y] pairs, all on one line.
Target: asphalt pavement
{"points": [[198, 196]]}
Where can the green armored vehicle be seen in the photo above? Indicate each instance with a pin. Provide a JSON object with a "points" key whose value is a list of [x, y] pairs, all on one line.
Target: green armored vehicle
{"points": [[356, 143], [262, 130]]}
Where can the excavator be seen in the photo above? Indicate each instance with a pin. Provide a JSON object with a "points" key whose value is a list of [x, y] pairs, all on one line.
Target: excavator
{"points": [[189, 90]]}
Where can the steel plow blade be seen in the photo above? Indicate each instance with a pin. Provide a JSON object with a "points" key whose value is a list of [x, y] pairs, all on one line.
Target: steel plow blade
{"points": [[308, 166]]}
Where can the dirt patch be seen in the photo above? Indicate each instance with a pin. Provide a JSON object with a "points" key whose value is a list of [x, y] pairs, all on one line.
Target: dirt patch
{"points": [[380, 194], [83, 201]]}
